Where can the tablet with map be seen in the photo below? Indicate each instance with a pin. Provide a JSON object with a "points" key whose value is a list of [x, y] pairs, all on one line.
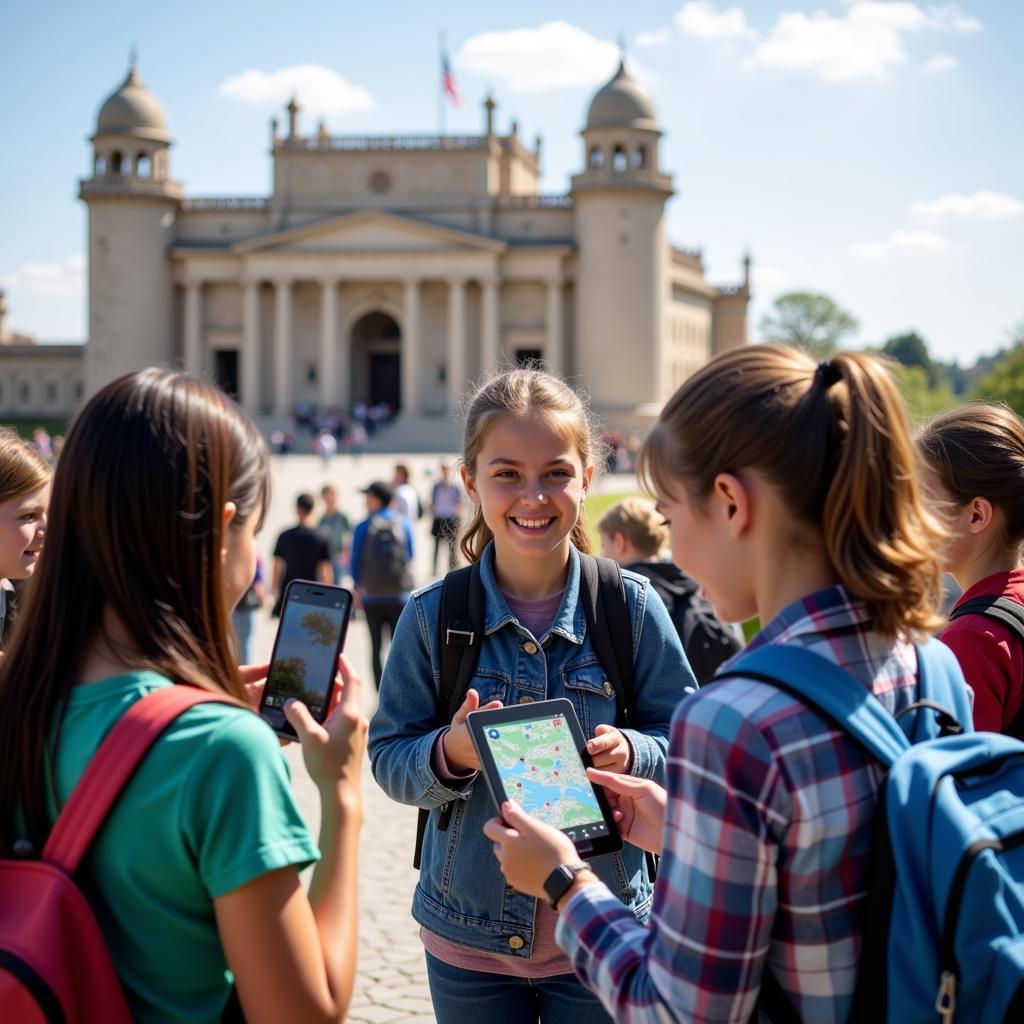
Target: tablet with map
{"points": [[536, 755]]}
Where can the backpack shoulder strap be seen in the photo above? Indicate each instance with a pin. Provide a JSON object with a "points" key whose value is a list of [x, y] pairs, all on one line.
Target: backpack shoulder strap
{"points": [[831, 691], [1002, 609], [609, 626], [460, 631], [113, 764]]}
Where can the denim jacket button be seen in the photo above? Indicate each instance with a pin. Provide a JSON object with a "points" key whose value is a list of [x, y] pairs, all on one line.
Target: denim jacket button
{"points": [[510, 890], [516, 941], [607, 688], [530, 647], [525, 700]]}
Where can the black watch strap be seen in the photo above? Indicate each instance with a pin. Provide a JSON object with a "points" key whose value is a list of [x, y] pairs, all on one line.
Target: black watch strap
{"points": [[558, 882]]}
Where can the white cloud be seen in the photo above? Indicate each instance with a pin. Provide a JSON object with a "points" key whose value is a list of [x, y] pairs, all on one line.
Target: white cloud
{"points": [[938, 63], [556, 55], [701, 19], [919, 241], [64, 280], [951, 18], [981, 206], [647, 40], [866, 42], [319, 90]]}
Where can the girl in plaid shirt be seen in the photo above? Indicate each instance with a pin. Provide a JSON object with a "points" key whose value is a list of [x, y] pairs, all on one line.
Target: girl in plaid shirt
{"points": [[791, 493]]}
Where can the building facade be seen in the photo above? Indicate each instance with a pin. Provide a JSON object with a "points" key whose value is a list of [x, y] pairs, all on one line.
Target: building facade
{"points": [[400, 269]]}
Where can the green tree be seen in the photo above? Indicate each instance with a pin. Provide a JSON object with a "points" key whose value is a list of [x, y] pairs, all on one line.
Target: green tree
{"points": [[808, 320], [924, 400], [1005, 381]]}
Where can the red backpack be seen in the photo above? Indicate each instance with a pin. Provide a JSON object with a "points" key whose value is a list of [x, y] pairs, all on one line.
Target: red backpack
{"points": [[54, 963]]}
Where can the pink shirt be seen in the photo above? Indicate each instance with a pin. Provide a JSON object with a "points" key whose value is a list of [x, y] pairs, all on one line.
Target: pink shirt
{"points": [[547, 959]]}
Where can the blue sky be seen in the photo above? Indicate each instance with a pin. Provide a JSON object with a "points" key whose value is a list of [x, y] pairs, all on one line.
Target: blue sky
{"points": [[869, 149]]}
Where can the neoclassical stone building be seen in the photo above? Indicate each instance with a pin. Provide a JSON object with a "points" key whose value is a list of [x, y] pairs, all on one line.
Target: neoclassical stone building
{"points": [[400, 268]]}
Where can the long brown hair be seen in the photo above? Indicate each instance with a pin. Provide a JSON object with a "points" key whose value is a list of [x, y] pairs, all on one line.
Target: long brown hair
{"points": [[524, 392], [977, 451], [135, 529], [22, 468], [834, 441]]}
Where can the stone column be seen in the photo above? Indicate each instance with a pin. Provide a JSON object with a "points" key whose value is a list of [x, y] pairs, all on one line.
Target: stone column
{"points": [[490, 331], [193, 355], [327, 372], [250, 370], [456, 343], [283, 355], [411, 350], [554, 355]]}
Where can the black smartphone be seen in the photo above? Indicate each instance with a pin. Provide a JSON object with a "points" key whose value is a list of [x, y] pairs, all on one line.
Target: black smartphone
{"points": [[311, 634], [537, 754]]}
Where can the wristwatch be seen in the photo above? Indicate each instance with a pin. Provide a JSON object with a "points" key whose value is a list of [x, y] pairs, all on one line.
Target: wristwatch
{"points": [[558, 882]]}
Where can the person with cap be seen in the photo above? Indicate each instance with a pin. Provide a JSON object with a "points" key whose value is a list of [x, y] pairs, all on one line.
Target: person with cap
{"points": [[382, 553]]}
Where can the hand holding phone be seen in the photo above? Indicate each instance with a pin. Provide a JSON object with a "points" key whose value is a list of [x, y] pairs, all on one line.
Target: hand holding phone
{"points": [[310, 636]]}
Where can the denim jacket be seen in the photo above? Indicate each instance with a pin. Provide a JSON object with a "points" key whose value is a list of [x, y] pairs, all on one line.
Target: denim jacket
{"points": [[462, 895]]}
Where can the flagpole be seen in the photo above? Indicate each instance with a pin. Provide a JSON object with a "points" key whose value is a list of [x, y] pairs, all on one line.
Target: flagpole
{"points": [[440, 83]]}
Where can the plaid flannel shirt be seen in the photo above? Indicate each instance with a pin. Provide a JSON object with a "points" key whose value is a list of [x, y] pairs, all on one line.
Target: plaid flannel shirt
{"points": [[768, 834]]}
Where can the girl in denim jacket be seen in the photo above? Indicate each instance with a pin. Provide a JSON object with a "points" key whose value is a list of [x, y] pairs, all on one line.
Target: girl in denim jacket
{"points": [[528, 461]]}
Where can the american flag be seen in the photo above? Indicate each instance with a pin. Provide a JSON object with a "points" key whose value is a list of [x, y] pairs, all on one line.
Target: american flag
{"points": [[448, 84]]}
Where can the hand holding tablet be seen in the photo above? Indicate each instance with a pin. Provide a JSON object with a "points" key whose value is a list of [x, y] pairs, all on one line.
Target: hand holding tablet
{"points": [[537, 756]]}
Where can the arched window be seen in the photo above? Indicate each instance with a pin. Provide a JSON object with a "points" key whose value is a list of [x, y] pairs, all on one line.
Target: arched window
{"points": [[24, 391], [596, 157], [116, 163], [619, 161], [99, 166], [79, 390], [143, 166], [51, 392], [640, 157]]}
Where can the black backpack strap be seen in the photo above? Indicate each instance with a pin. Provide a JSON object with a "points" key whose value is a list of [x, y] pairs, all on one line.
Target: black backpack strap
{"points": [[609, 626], [1002, 609], [460, 631], [1010, 614]]}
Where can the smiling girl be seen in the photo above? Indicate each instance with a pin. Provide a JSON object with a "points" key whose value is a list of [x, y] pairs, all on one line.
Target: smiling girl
{"points": [[24, 492], [528, 462]]}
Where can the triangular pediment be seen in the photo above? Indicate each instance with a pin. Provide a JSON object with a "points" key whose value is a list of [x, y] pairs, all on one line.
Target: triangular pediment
{"points": [[369, 231]]}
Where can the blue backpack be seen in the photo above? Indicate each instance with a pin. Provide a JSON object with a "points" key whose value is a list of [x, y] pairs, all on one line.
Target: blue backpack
{"points": [[944, 931]]}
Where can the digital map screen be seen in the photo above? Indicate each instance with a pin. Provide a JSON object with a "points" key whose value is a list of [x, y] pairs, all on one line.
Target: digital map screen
{"points": [[541, 770]]}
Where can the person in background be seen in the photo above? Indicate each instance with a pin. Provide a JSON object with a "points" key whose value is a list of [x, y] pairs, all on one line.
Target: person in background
{"points": [[300, 554], [446, 509], [382, 553], [634, 534], [406, 502], [243, 618], [974, 458], [335, 527], [24, 494]]}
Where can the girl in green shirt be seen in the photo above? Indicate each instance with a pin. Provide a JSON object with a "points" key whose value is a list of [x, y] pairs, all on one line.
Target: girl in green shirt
{"points": [[194, 875]]}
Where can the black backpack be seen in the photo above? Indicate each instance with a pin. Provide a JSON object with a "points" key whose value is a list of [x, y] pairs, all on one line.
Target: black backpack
{"points": [[707, 641], [461, 629], [1011, 615], [384, 568]]}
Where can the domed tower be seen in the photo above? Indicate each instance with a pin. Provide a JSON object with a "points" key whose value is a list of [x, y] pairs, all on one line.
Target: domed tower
{"points": [[619, 201], [132, 205]]}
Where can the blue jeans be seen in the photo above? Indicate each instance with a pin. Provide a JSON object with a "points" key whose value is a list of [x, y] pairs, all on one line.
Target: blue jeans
{"points": [[243, 619], [472, 997]]}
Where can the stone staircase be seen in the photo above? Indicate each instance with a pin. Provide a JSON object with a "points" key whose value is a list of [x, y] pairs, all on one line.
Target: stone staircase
{"points": [[405, 435]]}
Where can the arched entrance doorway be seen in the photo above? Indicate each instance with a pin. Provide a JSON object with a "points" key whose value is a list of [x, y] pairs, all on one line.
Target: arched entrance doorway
{"points": [[377, 360]]}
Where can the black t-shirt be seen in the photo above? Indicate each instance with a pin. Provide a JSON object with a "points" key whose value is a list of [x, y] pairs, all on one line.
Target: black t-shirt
{"points": [[303, 549]]}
